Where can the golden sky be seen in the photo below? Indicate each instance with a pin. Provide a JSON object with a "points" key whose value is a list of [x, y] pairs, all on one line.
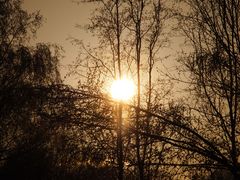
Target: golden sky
{"points": [[60, 18]]}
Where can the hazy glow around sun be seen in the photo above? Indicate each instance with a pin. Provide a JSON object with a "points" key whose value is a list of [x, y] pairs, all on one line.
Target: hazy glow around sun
{"points": [[122, 89]]}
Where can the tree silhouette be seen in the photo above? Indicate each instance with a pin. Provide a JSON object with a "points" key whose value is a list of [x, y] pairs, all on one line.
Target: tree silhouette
{"points": [[211, 129], [114, 24], [24, 72], [49, 130]]}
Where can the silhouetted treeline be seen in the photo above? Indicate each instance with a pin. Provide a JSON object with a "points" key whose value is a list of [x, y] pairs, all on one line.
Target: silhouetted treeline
{"points": [[49, 130]]}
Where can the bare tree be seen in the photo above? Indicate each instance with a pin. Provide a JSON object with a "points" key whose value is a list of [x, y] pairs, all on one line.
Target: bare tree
{"points": [[215, 69], [211, 130], [132, 32], [147, 25]]}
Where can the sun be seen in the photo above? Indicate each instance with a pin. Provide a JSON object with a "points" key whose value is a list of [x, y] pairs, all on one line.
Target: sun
{"points": [[122, 89]]}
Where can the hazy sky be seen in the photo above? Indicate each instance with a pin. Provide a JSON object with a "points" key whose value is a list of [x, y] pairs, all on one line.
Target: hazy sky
{"points": [[60, 18]]}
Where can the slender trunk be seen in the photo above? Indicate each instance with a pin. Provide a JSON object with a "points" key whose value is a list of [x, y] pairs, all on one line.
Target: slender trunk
{"points": [[119, 129], [118, 40], [138, 53], [139, 160], [149, 101], [138, 23], [120, 143]]}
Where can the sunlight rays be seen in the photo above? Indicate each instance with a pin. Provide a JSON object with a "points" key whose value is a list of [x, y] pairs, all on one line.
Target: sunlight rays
{"points": [[122, 89]]}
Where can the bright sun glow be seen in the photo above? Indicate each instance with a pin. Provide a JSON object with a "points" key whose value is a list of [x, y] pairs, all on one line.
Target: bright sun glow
{"points": [[122, 89]]}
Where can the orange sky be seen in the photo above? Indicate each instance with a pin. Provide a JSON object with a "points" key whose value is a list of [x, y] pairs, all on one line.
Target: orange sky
{"points": [[60, 18]]}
